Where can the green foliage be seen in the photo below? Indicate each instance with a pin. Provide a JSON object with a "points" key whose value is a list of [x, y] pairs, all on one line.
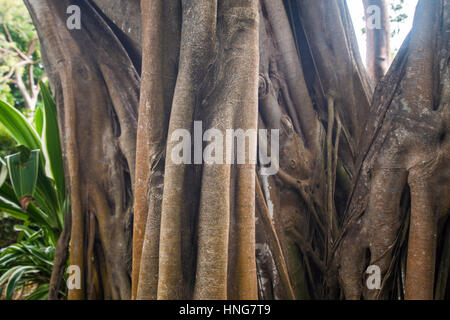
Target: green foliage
{"points": [[27, 263], [398, 17], [50, 140], [34, 193], [397, 8], [17, 37], [8, 234], [7, 144], [23, 168], [18, 127], [15, 15]]}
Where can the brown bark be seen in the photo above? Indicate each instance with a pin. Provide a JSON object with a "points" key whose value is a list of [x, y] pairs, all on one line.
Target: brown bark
{"points": [[61, 255], [224, 250], [407, 150], [353, 176], [378, 35], [96, 88], [160, 47]]}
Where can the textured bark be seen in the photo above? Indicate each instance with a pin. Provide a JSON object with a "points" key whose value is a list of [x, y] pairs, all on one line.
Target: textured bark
{"points": [[97, 89], [161, 51], [360, 182], [206, 247], [59, 263], [407, 157], [330, 65]]}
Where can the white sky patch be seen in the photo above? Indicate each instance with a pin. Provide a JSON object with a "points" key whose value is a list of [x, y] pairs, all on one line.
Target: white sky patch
{"points": [[266, 187], [357, 12]]}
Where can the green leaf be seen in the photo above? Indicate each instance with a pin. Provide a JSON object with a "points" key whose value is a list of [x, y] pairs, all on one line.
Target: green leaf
{"points": [[3, 172], [38, 254], [9, 204], [29, 233], [38, 120], [6, 275], [14, 279], [12, 209], [9, 257], [40, 293], [23, 174], [18, 126], [51, 141], [46, 196]]}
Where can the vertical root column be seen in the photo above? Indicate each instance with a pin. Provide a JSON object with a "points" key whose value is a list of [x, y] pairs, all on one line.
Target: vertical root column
{"points": [[420, 267]]}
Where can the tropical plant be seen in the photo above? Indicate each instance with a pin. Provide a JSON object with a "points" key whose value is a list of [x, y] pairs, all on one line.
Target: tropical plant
{"points": [[32, 190], [27, 264], [7, 232], [7, 144]]}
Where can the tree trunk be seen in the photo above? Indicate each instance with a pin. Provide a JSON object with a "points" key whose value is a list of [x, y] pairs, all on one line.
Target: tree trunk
{"points": [[96, 85], [378, 35], [349, 173], [404, 171]]}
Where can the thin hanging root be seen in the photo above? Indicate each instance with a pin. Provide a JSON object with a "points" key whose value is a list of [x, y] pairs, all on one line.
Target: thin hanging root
{"points": [[306, 248], [274, 242], [336, 149], [309, 271], [290, 108], [61, 255], [349, 140], [330, 187], [298, 185], [91, 272], [444, 267]]}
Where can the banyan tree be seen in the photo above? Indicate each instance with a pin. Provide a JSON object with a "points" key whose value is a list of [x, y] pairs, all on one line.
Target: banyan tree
{"points": [[363, 174]]}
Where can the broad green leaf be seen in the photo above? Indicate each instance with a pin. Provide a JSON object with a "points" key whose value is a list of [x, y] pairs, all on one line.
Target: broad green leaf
{"points": [[12, 209], [39, 255], [23, 173], [31, 259], [10, 257], [18, 126], [10, 205], [44, 220], [38, 120], [14, 279], [6, 275], [51, 141], [47, 199]]}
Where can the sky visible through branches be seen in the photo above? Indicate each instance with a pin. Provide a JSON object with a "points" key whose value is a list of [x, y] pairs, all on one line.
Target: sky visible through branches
{"points": [[357, 12]]}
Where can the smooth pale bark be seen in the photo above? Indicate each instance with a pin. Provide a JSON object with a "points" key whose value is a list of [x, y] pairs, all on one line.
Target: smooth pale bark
{"points": [[161, 49], [197, 201], [378, 35]]}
